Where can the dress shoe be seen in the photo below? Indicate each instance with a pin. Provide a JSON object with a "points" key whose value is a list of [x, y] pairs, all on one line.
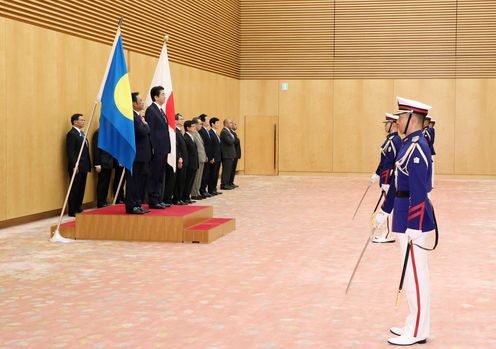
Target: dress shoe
{"points": [[218, 193], [72, 215], [144, 210], [198, 197], [234, 185], [206, 195], [79, 210], [396, 330], [166, 204], [119, 201], [105, 204], [382, 240], [156, 206], [406, 340], [226, 188], [135, 210], [179, 203], [189, 202]]}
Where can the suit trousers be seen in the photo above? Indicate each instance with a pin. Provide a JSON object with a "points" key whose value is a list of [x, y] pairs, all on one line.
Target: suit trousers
{"points": [[205, 178], [156, 178], [136, 185], [180, 184], [195, 190], [102, 186], [213, 176], [190, 178], [76, 195], [170, 182], [233, 172], [227, 166]]}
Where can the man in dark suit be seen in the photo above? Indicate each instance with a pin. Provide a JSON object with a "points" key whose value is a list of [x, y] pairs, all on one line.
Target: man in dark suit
{"points": [[207, 144], [159, 135], [74, 141], [103, 163], [228, 154], [136, 182], [217, 157], [193, 162], [237, 146], [182, 162]]}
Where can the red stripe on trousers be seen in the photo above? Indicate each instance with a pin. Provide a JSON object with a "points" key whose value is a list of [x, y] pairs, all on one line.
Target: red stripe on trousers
{"points": [[418, 291]]}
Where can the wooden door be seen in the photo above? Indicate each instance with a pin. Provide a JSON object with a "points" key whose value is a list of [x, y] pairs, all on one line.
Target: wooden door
{"points": [[261, 145]]}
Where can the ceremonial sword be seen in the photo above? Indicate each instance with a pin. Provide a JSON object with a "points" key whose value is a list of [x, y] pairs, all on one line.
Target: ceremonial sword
{"points": [[359, 259], [363, 196]]}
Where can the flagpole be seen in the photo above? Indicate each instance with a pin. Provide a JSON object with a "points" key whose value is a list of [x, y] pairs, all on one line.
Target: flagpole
{"points": [[119, 186], [57, 237]]}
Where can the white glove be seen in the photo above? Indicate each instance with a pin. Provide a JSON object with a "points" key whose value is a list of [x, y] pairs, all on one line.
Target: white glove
{"points": [[385, 187], [413, 233], [379, 219], [374, 178]]}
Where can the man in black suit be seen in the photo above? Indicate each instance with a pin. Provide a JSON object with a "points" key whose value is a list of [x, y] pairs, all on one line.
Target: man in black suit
{"points": [[207, 143], [228, 154], [74, 141], [182, 162], [237, 146], [193, 162], [159, 135], [136, 182], [217, 157], [103, 163]]}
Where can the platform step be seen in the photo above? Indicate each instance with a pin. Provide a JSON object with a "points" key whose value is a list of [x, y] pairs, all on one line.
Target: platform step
{"points": [[209, 230], [67, 229]]}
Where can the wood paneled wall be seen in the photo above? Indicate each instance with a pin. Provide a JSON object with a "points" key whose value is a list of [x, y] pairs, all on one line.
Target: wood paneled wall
{"points": [[45, 77], [336, 125], [204, 34], [368, 39]]}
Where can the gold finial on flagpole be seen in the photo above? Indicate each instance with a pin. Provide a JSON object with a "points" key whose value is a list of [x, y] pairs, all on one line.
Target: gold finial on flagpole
{"points": [[120, 22], [166, 38]]}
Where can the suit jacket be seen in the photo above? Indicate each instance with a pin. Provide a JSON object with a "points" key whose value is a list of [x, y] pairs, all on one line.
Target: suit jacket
{"points": [[192, 151], [159, 130], [101, 157], [227, 144], [202, 155], [237, 145], [142, 138], [73, 145], [216, 152], [207, 142], [181, 148]]}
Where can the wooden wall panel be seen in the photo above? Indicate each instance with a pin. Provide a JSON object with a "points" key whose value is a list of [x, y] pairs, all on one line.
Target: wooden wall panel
{"points": [[204, 34], [440, 94], [475, 127], [286, 39], [359, 107], [305, 126], [3, 121]]}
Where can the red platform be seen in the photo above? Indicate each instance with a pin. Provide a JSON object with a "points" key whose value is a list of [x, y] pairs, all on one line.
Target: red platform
{"points": [[173, 224]]}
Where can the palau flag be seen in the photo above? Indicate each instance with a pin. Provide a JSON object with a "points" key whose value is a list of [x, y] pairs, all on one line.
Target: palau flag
{"points": [[116, 134]]}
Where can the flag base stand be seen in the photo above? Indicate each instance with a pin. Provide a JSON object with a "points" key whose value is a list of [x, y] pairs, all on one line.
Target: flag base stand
{"points": [[59, 238]]}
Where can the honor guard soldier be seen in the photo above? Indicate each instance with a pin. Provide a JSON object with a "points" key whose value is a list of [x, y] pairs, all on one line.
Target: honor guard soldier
{"points": [[385, 171], [413, 220], [430, 135]]}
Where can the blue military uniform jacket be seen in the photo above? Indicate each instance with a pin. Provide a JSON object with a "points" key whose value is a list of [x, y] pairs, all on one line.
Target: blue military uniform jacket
{"points": [[389, 151], [429, 134], [408, 193]]}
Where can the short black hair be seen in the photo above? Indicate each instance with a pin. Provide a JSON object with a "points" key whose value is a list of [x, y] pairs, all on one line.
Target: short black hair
{"points": [[195, 120], [202, 117], [75, 117], [134, 96], [188, 124], [178, 116], [155, 92], [213, 121]]}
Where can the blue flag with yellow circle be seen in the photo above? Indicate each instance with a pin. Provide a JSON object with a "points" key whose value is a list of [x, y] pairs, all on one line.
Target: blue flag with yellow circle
{"points": [[116, 135]]}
